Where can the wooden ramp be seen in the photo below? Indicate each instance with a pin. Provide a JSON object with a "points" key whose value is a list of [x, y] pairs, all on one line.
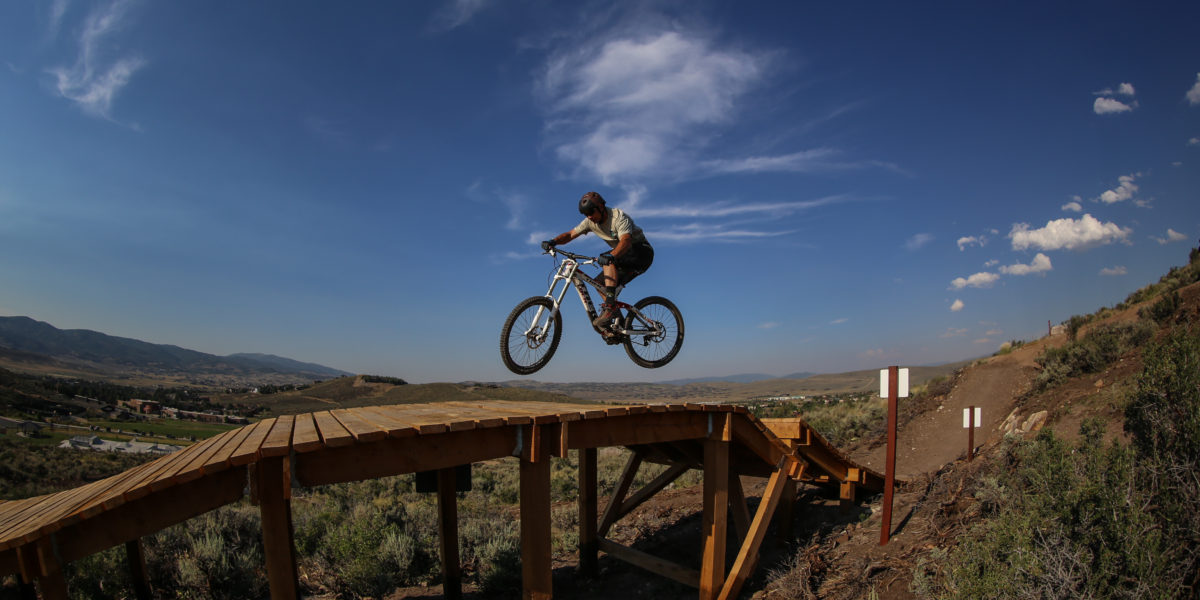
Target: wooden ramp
{"points": [[267, 459]]}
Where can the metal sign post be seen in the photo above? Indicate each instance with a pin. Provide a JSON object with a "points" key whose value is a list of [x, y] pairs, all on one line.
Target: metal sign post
{"points": [[893, 384], [971, 418]]}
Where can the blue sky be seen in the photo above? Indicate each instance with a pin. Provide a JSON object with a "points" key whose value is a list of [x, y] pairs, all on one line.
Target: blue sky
{"points": [[364, 184]]}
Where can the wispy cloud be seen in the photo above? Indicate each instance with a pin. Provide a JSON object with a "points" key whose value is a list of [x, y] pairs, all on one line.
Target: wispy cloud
{"points": [[1075, 205], [1114, 271], [696, 232], [820, 160], [1172, 236], [456, 13], [1069, 234], [978, 280], [1193, 141], [1106, 105], [1125, 190], [1193, 95], [952, 332], [1040, 264], [839, 321], [514, 203], [918, 240], [769, 325], [96, 78], [718, 210], [957, 305]]}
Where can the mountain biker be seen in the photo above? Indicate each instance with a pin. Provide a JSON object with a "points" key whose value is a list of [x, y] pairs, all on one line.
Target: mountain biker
{"points": [[631, 254]]}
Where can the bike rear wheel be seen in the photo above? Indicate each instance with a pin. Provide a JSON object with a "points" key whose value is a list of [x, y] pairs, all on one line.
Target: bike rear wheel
{"points": [[526, 344], [650, 346]]}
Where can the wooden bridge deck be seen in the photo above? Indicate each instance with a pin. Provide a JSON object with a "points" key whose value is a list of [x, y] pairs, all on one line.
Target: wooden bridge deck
{"points": [[265, 460]]}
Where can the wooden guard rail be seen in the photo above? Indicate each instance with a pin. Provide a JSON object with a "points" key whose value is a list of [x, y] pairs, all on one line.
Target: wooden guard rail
{"points": [[264, 460]]}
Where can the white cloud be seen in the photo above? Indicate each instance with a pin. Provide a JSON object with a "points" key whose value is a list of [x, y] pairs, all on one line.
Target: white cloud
{"points": [[1193, 95], [1126, 89], [95, 79], [808, 161], [957, 306], [1117, 270], [839, 321], [769, 325], [952, 332], [1073, 206], [1194, 141], [978, 280], [971, 240], [1124, 190], [1068, 234], [982, 341], [994, 332], [625, 106], [719, 210], [991, 263], [1172, 236], [1108, 106], [456, 13], [918, 240], [1040, 264], [696, 232]]}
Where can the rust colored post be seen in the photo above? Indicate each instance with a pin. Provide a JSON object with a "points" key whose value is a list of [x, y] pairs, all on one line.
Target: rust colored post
{"points": [[448, 532], [890, 480], [137, 569], [536, 576], [279, 549], [970, 433]]}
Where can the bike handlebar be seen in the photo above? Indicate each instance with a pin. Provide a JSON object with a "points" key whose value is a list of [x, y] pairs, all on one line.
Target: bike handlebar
{"points": [[556, 250]]}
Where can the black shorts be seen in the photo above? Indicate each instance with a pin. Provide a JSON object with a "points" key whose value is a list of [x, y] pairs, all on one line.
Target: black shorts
{"points": [[634, 262]]}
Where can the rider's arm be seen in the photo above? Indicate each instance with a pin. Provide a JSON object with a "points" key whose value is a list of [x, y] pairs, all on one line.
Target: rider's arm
{"points": [[623, 245], [563, 238]]}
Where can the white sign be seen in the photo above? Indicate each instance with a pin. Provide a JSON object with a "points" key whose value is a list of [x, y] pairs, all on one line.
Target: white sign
{"points": [[902, 383], [967, 417]]}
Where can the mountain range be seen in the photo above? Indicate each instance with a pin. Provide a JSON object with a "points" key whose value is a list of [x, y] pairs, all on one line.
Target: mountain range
{"points": [[28, 341]]}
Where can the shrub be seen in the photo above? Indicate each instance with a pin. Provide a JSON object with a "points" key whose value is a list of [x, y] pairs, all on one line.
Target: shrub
{"points": [[1099, 348], [1164, 309]]}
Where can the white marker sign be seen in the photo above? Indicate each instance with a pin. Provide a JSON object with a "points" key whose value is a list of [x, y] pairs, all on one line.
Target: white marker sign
{"points": [[967, 417], [902, 383]]}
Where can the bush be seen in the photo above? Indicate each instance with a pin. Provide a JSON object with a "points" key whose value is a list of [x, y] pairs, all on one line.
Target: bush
{"points": [[1163, 310], [1099, 348]]}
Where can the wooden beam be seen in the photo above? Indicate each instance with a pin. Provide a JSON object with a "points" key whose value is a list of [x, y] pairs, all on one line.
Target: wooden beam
{"points": [[748, 554], [50, 580], [670, 570], [663, 480], [737, 506], [448, 533], [536, 576], [716, 511], [588, 563], [278, 545], [633, 430], [137, 569], [613, 511], [787, 513]]}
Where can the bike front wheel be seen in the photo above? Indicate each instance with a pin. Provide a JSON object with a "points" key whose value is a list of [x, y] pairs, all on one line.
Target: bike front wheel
{"points": [[654, 340], [530, 336]]}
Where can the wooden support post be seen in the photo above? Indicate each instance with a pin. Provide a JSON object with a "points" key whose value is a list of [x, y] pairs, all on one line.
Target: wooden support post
{"points": [[748, 554], [787, 513], [588, 547], [51, 581], [448, 532], [536, 577], [274, 488], [716, 508], [137, 569], [885, 531], [28, 571], [737, 506]]}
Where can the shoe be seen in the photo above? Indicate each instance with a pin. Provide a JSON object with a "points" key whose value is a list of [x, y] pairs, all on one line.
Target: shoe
{"points": [[607, 314]]}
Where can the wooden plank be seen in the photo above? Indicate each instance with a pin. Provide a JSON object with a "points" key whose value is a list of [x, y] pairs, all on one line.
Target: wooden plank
{"points": [[305, 437], [536, 576], [221, 460], [279, 440], [670, 570], [248, 450], [403, 419], [737, 506], [507, 415], [331, 430], [635, 430], [214, 446], [395, 427], [363, 430], [747, 556], [588, 563], [715, 519], [174, 475], [20, 521]]}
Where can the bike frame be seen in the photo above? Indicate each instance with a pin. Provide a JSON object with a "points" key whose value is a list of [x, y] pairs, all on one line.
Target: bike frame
{"points": [[567, 273]]}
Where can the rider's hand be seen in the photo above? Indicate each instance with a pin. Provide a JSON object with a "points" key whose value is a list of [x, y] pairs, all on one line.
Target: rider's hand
{"points": [[605, 259], [547, 245]]}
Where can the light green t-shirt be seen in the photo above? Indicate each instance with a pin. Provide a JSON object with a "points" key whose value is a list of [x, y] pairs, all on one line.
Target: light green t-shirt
{"points": [[615, 224]]}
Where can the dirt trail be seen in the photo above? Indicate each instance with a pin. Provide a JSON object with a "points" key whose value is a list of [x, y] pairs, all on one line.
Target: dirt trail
{"points": [[937, 437]]}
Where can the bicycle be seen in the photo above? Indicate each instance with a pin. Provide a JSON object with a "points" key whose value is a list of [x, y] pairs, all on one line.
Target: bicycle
{"points": [[650, 329]]}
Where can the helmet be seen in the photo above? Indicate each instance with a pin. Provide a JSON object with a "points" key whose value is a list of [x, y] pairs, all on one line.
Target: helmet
{"points": [[589, 203]]}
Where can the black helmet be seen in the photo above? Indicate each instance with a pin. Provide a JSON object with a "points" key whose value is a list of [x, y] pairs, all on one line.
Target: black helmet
{"points": [[589, 203]]}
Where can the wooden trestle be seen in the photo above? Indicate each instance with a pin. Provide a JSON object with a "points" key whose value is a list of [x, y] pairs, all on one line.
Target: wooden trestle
{"points": [[267, 459]]}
